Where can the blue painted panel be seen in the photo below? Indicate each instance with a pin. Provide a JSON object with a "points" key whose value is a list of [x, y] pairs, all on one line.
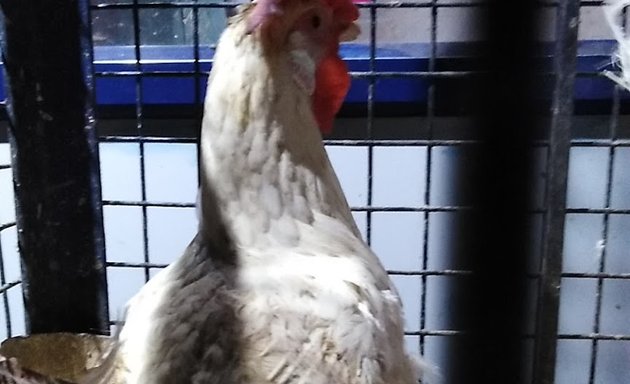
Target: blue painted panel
{"points": [[176, 87]]}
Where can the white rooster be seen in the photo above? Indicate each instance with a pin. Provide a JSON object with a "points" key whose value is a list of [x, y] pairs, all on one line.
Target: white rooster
{"points": [[277, 287]]}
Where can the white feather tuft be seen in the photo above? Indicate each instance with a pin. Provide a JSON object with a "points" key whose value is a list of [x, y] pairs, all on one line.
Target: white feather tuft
{"points": [[427, 372], [614, 15]]}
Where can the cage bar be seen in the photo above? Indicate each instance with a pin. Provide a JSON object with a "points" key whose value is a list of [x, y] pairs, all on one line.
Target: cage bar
{"points": [[567, 20], [495, 303], [602, 275], [5, 298], [48, 68]]}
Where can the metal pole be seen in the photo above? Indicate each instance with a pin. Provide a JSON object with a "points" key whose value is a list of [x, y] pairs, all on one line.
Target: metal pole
{"points": [[506, 127], [48, 66], [567, 20]]}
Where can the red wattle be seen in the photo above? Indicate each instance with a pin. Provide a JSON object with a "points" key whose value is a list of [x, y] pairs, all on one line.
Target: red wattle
{"points": [[332, 82]]}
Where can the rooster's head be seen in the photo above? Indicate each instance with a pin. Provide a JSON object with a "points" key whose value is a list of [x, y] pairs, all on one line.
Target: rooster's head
{"points": [[310, 31]]}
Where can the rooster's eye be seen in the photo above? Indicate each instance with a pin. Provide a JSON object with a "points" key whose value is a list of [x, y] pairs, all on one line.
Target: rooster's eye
{"points": [[316, 21]]}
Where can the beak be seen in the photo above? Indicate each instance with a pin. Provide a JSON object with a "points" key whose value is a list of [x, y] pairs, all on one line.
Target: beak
{"points": [[351, 33]]}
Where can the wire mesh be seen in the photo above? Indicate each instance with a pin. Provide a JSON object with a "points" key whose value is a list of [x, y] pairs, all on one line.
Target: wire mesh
{"points": [[7, 223], [5, 286], [603, 367], [425, 138], [426, 209], [369, 142], [597, 365]]}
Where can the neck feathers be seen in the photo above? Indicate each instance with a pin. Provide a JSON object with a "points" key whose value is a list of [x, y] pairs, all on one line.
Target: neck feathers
{"points": [[264, 169]]}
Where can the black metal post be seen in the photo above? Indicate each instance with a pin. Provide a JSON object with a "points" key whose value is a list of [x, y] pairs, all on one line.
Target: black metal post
{"points": [[48, 65], [567, 21], [506, 127]]}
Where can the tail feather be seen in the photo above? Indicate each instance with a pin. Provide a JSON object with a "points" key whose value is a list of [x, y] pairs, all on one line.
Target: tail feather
{"points": [[426, 372]]}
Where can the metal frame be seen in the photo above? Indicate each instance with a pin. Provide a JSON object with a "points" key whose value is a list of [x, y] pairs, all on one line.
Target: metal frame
{"points": [[557, 169], [4, 284], [54, 151]]}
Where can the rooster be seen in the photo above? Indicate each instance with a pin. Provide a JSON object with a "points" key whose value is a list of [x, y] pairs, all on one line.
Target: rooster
{"points": [[277, 287]]}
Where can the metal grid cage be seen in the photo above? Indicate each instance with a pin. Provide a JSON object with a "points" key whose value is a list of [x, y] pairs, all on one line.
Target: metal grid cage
{"points": [[9, 280], [429, 128]]}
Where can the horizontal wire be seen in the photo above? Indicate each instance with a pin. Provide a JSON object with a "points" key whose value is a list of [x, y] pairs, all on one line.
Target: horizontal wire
{"points": [[418, 74], [148, 204], [600, 143], [593, 336], [430, 332], [330, 142], [353, 74], [7, 286], [409, 142], [440, 208], [397, 143], [375, 142], [140, 203], [447, 272], [148, 73], [125, 264], [598, 210], [529, 275], [7, 225], [231, 4], [5, 166], [438, 142], [562, 336], [391, 4], [411, 209], [434, 332], [596, 275], [147, 139]]}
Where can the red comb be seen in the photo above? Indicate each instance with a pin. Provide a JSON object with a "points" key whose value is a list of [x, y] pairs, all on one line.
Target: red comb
{"points": [[263, 10], [331, 78], [344, 10]]}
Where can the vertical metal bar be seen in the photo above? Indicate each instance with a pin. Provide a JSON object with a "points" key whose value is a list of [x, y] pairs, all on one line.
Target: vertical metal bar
{"points": [[601, 268], [370, 122], [5, 297], [506, 126], [48, 64], [427, 180], [198, 114], [140, 131], [567, 21], [196, 59]]}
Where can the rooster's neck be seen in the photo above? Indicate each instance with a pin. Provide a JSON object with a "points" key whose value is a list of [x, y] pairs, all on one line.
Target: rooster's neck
{"points": [[262, 159]]}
